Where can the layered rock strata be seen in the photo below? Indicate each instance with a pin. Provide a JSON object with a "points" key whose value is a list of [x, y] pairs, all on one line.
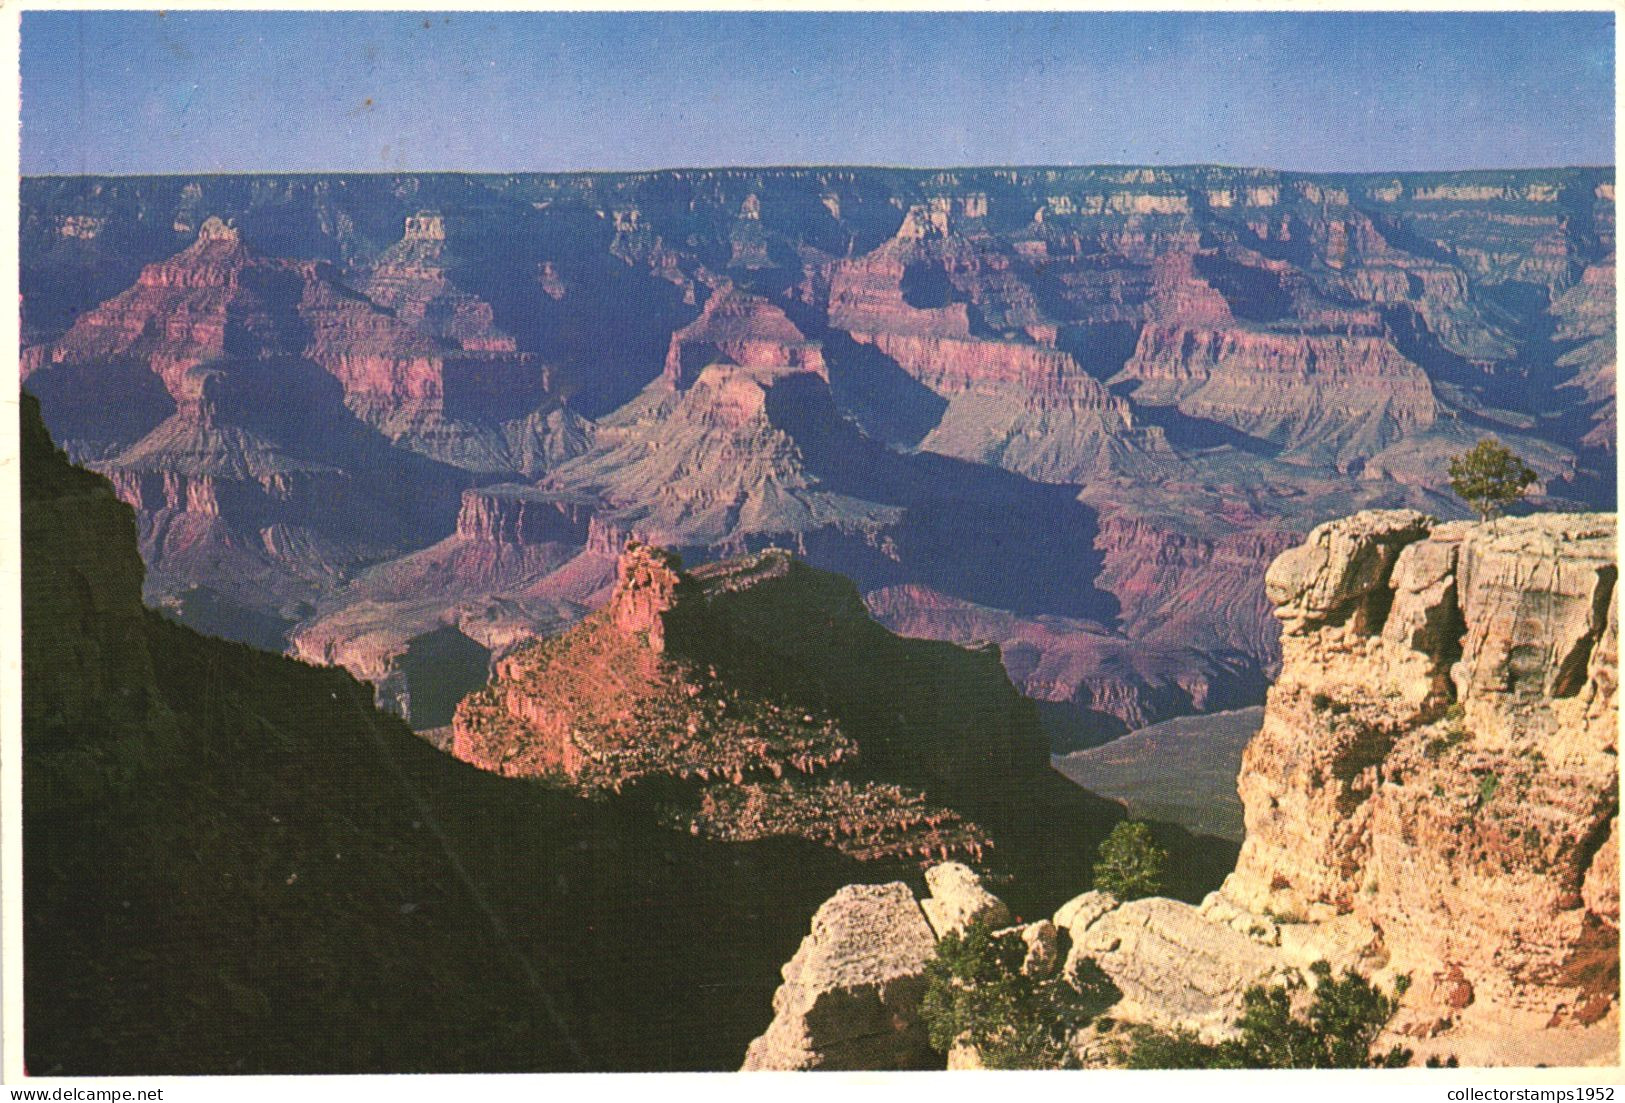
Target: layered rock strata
{"points": [[1433, 797], [605, 706], [626, 699], [1434, 792], [1439, 757], [1216, 358], [744, 330]]}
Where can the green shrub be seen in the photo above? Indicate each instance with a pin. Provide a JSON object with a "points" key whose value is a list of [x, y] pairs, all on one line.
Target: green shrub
{"points": [[1129, 864], [977, 992], [1490, 477], [1156, 1049]]}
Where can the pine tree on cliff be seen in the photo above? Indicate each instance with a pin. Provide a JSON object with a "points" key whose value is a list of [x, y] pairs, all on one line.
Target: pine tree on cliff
{"points": [[1490, 477], [1130, 865]]}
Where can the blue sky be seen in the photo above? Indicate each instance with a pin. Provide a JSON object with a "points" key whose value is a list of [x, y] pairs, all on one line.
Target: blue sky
{"points": [[192, 91]]}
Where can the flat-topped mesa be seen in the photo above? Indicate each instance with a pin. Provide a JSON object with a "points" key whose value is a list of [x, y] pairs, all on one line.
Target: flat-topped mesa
{"points": [[941, 215], [1439, 758], [951, 366], [744, 330]]}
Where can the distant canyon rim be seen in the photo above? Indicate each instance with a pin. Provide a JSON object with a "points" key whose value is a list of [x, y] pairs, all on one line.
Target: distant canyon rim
{"points": [[404, 423]]}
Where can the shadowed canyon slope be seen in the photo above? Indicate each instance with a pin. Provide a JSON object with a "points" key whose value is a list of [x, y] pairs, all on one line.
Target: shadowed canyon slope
{"points": [[402, 423], [235, 864]]}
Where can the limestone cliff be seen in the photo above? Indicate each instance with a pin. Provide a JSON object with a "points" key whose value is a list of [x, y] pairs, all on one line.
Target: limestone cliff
{"points": [[1439, 757], [1433, 796]]}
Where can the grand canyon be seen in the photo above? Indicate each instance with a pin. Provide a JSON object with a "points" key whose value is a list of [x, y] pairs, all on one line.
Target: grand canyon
{"points": [[570, 586], [401, 424]]}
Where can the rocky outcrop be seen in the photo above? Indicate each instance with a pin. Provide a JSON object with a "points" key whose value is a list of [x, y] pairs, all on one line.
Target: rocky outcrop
{"points": [[604, 705], [648, 581], [435, 373], [410, 280], [514, 567], [1439, 757], [418, 362], [851, 995], [1433, 796], [697, 352], [958, 899], [722, 464], [175, 317], [870, 821], [521, 515], [1176, 969], [650, 691]]}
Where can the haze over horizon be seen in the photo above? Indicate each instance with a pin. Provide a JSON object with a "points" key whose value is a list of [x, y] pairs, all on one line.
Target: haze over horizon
{"points": [[186, 92]]}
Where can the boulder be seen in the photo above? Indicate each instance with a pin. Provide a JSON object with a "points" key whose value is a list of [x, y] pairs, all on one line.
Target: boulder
{"points": [[1043, 944], [1078, 913], [958, 899], [1176, 969], [851, 994]]}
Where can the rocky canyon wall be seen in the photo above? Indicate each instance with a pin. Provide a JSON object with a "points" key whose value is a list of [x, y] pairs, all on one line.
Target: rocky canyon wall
{"points": [[1433, 802]]}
